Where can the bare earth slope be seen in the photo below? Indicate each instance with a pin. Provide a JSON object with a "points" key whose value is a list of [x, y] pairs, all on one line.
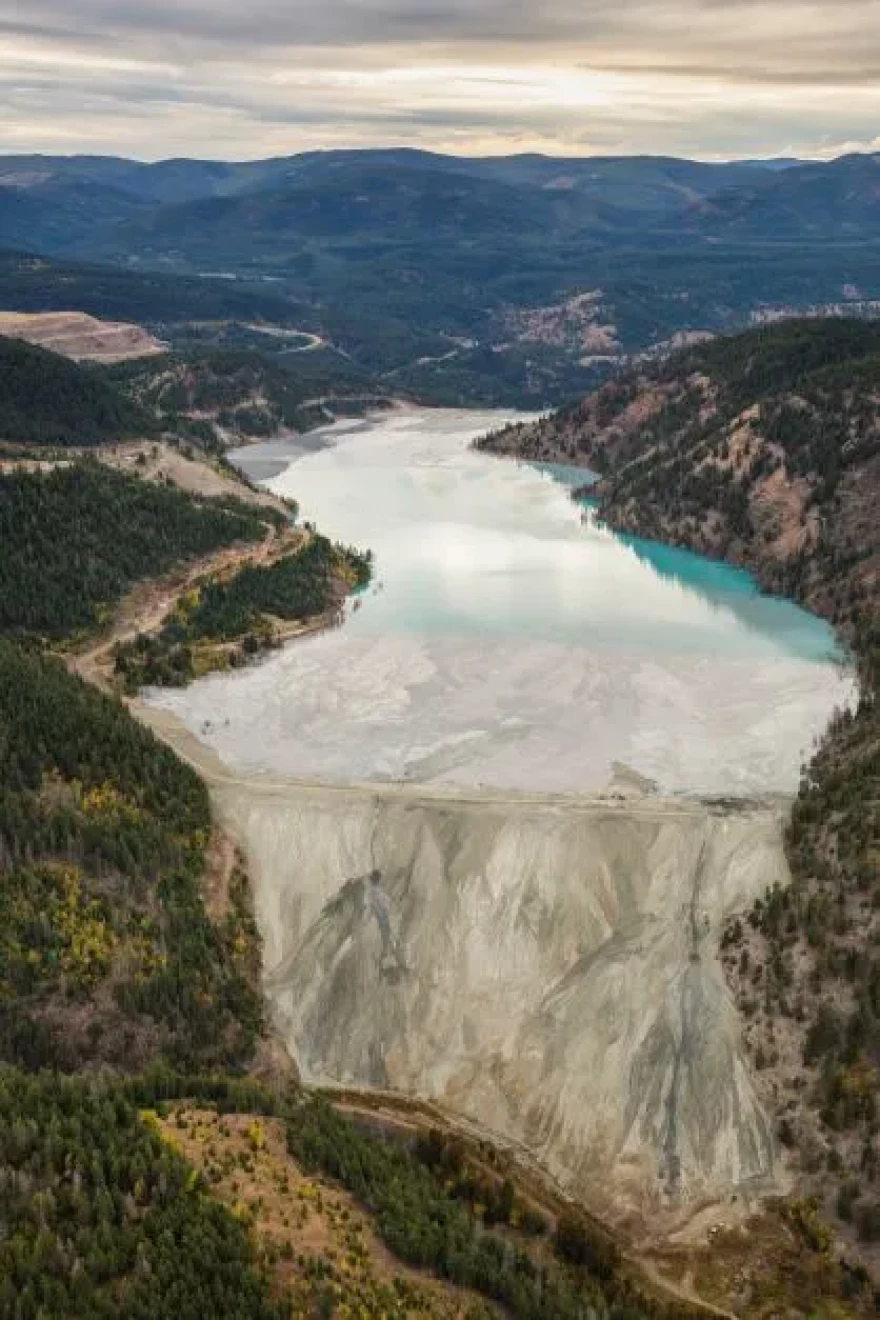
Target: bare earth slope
{"points": [[763, 449], [548, 967], [81, 337]]}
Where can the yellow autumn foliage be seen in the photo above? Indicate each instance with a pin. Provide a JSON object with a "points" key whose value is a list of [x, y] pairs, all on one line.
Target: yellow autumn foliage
{"points": [[87, 935], [105, 801]]}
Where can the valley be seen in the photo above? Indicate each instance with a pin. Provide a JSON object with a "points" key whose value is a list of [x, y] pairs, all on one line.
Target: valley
{"points": [[764, 449], [519, 281], [510, 853], [497, 606]]}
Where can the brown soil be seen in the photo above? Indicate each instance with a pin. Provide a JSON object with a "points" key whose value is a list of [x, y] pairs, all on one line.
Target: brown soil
{"points": [[146, 607], [196, 476], [81, 337], [297, 1219]]}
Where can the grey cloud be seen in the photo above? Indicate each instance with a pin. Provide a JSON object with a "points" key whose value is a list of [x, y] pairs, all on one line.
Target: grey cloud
{"points": [[807, 26], [752, 41], [249, 78]]}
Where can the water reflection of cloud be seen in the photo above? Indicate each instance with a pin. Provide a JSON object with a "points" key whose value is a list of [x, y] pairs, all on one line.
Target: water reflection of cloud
{"points": [[468, 543]]}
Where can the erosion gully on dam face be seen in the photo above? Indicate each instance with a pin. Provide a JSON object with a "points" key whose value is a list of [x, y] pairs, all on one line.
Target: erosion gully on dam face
{"points": [[546, 966]]}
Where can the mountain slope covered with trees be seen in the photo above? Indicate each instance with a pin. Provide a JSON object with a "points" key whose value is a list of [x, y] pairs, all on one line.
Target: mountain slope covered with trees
{"points": [[75, 539], [225, 396], [107, 951], [47, 400]]}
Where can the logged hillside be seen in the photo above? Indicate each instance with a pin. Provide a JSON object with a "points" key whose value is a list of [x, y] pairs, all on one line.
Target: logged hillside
{"points": [[765, 449], [47, 400]]}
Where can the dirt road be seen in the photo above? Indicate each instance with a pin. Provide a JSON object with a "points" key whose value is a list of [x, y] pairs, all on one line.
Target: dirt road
{"points": [[146, 607]]}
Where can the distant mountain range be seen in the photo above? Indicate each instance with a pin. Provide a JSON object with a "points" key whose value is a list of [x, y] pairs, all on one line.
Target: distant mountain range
{"points": [[511, 279], [95, 205]]}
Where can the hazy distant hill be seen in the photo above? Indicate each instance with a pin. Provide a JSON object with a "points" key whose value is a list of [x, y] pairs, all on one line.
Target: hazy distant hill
{"points": [[105, 206], [837, 200]]}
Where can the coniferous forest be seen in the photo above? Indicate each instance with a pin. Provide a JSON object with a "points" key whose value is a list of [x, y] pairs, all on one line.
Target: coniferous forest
{"points": [[47, 401], [130, 956], [75, 539], [107, 954]]}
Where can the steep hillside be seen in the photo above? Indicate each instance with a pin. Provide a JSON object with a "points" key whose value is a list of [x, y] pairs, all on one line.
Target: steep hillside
{"points": [[47, 400], [76, 539], [103, 1218], [765, 449], [107, 951]]}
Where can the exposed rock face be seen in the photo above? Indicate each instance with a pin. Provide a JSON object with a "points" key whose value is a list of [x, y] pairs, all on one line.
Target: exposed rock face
{"points": [[548, 968]]}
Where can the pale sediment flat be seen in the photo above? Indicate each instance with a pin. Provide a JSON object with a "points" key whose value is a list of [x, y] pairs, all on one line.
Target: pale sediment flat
{"points": [[266, 459], [541, 716]]}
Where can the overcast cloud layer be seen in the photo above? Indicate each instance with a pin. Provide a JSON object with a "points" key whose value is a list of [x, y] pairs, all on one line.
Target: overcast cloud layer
{"points": [[246, 78]]}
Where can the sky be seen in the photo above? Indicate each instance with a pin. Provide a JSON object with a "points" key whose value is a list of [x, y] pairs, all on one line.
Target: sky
{"points": [[240, 79]]}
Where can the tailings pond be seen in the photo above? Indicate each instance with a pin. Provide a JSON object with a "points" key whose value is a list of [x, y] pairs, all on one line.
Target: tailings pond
{"points": [[508, 640]]}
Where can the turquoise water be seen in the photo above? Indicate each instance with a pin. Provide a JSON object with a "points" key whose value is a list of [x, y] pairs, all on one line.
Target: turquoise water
{"points": [[470, 544], [567, 474]]}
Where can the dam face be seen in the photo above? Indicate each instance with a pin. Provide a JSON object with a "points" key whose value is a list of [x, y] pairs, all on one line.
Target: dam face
{"points": [[547, 968]]}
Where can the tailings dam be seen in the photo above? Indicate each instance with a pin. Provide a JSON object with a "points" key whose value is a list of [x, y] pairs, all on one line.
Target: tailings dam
{"points": [[454, 903], [548, 969]]}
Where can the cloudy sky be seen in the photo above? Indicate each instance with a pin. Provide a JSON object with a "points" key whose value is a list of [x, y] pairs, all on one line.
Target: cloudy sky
{"points": [[247, 78]]}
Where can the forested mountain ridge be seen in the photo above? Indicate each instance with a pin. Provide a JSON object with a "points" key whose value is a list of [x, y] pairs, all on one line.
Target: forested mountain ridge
{"points": [[808, 201], [213, 396], [225, 396], [77, 538], [46, 400], [455, 277], [132, 190], [107, 952], [765, 449]]}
